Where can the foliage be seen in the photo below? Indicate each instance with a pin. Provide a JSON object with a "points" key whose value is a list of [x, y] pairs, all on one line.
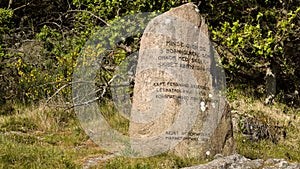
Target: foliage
{"points": [[5, 20], [255, 35], [39, 49], [6, 24]]}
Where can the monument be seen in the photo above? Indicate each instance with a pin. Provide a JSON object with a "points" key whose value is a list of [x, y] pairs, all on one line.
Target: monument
{"points": [[179, 102]]}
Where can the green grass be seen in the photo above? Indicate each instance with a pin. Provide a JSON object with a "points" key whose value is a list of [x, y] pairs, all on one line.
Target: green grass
{"points": [[34, 137], [22, 124], [282, 121], [48, 138], [43, 139], [265, 149], [114, 118], [23, 155], [163, 161]]}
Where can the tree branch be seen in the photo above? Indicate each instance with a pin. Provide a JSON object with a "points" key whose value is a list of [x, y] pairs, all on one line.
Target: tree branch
{"points": [[124, 47], [104, 87], [22, 6], [77, 10]]}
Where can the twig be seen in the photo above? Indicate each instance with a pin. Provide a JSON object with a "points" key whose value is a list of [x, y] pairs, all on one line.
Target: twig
{"points": [[124, 47], [22, 6], [78, 10], [57, 91], [62, 87], [85, 103], [104, 88], [54, 23]]}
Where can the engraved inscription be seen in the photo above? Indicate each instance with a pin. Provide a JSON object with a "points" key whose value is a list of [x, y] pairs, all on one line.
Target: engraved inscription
{"points": [[180, 55], [186, 135]]}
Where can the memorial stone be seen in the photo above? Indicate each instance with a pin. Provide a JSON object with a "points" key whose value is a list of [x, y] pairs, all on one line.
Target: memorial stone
{"points": [[178, 101]]}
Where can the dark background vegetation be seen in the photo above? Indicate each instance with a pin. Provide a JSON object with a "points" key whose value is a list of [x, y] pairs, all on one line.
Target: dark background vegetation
{"points": [[40, 41]]}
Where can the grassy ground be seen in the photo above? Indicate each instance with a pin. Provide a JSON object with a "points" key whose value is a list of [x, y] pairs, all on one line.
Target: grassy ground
{"points": [[281, 122], [46, 138], [38, 137]]}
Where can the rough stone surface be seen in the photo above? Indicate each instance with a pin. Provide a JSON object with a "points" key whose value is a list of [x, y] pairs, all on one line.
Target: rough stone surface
{"points": [[177, 101], [237, 161]]}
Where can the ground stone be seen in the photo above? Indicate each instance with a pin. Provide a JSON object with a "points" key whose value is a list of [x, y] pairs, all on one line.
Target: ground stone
{"points": [[238, 161]]}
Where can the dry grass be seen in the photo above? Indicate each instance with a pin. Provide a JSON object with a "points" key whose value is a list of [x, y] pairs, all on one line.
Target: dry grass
{"points": [[285, 119], [49, 137], [43, 137]]}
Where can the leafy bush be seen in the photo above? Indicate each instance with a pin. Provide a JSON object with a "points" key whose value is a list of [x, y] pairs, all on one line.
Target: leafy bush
{"points": [[38, 49], [254, 36]]}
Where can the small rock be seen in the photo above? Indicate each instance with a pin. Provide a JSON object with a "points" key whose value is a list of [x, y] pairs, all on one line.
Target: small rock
{"points": [[238, 161], [282, 164]]}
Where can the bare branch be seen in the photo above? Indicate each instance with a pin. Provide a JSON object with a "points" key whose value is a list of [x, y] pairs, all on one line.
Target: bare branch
{"points": [[22, 6], [85, 103], [104, 88], [57, 92], [126, 48], [54, 23], [62, 87], [77, 10]]}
